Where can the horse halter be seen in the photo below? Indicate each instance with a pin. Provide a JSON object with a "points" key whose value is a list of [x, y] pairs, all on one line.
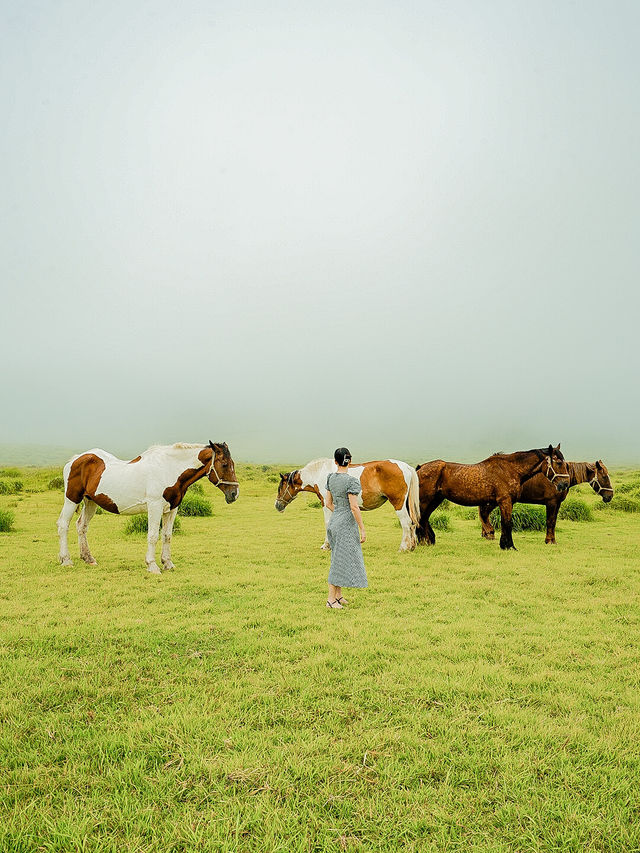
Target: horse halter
{"points": [[555, 473], [219, 481], [595, 482], [289, 483]]}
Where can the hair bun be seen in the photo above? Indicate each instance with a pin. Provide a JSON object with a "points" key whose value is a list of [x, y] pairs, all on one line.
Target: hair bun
{"points": [[342, 456]]}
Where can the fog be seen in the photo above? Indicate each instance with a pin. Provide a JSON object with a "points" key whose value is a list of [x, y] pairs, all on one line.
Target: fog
{"points": [[408, 228]]}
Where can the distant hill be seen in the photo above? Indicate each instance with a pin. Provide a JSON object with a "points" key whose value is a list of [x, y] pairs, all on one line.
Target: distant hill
{"points": [[39, 455]]}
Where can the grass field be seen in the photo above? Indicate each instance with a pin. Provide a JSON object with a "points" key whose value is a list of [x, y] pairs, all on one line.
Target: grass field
{"points": [[469, 700]]}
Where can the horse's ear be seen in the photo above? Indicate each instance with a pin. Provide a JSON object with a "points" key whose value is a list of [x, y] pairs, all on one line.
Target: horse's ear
{"points": [[599, 464], [211, 445], [283, 476], [558, 447], [550, 451]]}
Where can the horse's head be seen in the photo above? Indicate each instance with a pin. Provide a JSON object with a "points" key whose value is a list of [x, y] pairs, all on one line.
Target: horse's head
{"points": [[222, 472], [555, 468], [290, 485], [599, 480]]}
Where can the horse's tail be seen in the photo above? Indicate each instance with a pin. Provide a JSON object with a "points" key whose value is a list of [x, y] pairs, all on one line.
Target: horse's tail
{"points": [[413, 497]]}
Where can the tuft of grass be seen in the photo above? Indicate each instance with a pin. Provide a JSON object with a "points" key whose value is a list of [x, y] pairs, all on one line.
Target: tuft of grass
{"points": [[440, 521], [196, 489], [11, 488], [466, 512], [195, 505], [315, 504], [56, 483], [140, 524], [631, 486], [6, 521], [525, 517], [10, 472], [575, 509], [623, 503]]}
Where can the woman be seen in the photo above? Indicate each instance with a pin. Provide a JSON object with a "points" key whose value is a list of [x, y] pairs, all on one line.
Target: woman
{"points": [[347, 564]]}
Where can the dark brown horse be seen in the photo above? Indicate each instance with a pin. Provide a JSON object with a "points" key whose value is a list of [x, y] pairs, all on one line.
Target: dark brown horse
{"points": [[496, 481], [538, 490]]}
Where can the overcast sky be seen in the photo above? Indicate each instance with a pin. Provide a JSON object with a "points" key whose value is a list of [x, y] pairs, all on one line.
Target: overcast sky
{"points": [[407, 227]]}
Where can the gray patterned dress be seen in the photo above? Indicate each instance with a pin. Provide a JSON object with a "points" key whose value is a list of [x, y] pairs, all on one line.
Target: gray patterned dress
{"points": [[347, 564]]}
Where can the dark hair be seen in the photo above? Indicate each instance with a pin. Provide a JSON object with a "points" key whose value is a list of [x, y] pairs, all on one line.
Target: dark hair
{"points": [[342, 456]]}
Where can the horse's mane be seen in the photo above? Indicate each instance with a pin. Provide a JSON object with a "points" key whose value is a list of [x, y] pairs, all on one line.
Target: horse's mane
{"points": [[179, 445], [578, 471], [316, 465]]}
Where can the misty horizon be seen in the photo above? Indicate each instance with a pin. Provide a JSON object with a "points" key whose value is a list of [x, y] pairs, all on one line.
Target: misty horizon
{"points": [[410, 230]]}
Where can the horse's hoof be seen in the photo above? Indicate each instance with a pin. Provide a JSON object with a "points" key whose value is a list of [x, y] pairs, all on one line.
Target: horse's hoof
{"points": [[168, 567], [153, 569], [325, 547], [66, 563]]}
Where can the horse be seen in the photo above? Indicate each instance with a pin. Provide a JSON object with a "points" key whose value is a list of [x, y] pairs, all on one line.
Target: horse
{"points": [[538, 490], [381, 481], [154, 482], [496, 480]]}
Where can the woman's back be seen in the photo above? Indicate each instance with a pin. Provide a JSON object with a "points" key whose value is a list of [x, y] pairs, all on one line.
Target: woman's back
{"points": [[341, 486]]}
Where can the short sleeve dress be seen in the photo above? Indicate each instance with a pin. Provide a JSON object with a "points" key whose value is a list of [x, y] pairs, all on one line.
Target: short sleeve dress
{"points": [[347, 563]]}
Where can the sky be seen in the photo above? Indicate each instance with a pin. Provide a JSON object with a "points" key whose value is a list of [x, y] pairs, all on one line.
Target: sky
{"points": [[410, 228]]}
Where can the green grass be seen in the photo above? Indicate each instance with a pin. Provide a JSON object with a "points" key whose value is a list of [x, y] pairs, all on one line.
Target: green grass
{"points": [[194, 504], [139, 524], [10, 472], [7, 519], [524, 517], [11, 487], [575, 509], [469, 700], [440, 521], [620, 503]]}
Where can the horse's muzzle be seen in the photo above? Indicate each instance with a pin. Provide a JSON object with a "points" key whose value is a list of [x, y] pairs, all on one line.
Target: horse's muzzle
{"points": [[280, 506], [562, 486], [607, 498], [231, 495]]}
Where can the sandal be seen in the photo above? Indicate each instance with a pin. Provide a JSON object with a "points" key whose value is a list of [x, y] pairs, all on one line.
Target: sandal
{"points": [[342, 601], [334, 605]]}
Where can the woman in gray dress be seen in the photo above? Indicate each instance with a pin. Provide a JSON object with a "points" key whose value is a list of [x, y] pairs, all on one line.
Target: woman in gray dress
{"points": [[345, 531]]}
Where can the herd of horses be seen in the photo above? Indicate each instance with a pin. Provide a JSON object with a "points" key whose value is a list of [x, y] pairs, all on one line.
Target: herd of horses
{"points": [[156, 481]]}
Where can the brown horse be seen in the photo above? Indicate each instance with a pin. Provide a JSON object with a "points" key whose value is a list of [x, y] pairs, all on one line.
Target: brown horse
{"points": [[538, 490], [495, 481], [388, 480]]}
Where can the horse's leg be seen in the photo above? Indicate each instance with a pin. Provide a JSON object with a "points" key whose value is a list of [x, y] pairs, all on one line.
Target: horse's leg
{"points": [[168, 518], [408, 542], [82, 524], [327, 518], [425, 531], [154, 514], [506, 510], [68, 508], [552, 516], [488, 530]]}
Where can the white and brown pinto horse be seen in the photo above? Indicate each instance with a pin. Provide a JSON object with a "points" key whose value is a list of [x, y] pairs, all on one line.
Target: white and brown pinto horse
{"points": [[387, 480], [154, 482]]}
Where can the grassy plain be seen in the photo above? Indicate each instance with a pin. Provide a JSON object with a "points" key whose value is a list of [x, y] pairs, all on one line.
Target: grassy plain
{"points": [[469, 700]]}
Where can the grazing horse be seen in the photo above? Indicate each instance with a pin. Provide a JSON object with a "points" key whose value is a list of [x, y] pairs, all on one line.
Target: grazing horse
{"points": [[538, 490], [496, 481], [154, 482], [388, 480]]}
